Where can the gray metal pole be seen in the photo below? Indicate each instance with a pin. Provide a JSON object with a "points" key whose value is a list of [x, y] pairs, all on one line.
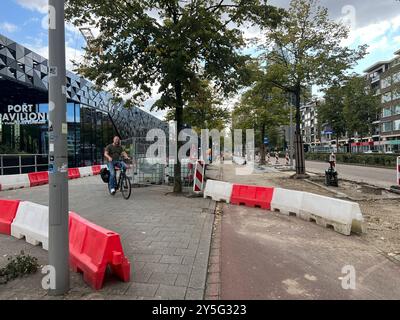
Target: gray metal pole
{"points": [[58, 155], [291, 137]]}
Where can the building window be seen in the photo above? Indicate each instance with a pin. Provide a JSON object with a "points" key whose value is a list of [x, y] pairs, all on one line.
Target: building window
{"points": [[396, 77], [396, 109], [396, 125], [387, 112], [385, 83], [387, 97], [396, 94], [387, 126]]}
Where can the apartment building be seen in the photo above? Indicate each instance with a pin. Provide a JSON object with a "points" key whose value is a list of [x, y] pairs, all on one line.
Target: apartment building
{"points": [[309, 124], [384, 79]]}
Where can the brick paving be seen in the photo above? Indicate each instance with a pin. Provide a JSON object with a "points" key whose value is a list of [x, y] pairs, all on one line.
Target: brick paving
{"points": [[166, 237]]}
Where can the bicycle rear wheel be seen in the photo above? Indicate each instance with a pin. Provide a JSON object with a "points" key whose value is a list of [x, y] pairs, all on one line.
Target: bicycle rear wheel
{"points": [[126, 187]]}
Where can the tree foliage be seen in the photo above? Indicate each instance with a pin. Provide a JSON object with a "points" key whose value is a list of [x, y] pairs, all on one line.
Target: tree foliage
{"points": [[305, 49], [361, 106], [350, 107], [170, 45], [331, 111], [263, 107], [204, 110]]}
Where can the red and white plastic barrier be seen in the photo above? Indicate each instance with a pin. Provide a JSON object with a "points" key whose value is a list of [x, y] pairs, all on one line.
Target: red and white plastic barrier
{"points": [[32, 222], [218, 190], [34, 179], [8, 210], [85, 172], [198, 182], [14, 182], [92, 248], [343, 216]]}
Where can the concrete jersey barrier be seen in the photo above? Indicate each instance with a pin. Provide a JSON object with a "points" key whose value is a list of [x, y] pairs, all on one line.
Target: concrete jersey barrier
{"points": [[32, 222]]}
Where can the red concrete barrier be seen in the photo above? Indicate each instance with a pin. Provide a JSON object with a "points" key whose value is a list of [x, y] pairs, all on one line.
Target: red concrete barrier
{"points": [[8, 210], [73, 173], [38, 178], [92, 248], [96, 170], [252, 196]]}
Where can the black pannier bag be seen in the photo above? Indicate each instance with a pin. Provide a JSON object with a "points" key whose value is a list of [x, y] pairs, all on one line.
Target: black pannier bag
{"points": [[105, 175]]}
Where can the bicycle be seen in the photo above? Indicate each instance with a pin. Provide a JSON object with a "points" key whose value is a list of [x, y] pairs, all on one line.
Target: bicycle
{"points": [[123, 183]]}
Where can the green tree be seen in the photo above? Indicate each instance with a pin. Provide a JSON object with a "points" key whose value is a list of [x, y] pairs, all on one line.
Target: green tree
{"points": [[361, 106], [204, 110], [306, 51], [331, 111], [169, 44], [263, 108]]}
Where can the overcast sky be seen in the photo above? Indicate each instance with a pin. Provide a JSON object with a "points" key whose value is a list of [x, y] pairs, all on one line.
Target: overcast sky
{"points": [[376, 23]]}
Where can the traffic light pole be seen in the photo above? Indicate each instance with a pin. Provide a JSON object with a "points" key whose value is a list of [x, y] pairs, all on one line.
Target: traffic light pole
{"points": [[58, 155]]}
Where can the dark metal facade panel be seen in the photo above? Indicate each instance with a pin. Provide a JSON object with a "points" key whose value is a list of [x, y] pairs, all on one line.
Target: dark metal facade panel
{"points": [[21, 64]]}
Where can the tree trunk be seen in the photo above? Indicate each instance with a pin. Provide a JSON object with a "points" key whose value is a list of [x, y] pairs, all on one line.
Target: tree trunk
{"points": [[262, 147], [299, 145], [179, 120], [337, 144]]}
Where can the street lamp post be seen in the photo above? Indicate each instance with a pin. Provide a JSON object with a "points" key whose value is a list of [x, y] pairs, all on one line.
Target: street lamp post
{"points": [[58, 155]]}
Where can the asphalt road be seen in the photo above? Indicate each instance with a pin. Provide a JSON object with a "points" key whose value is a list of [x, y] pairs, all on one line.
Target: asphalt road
{"points": [[266, 255], [375, 176]]}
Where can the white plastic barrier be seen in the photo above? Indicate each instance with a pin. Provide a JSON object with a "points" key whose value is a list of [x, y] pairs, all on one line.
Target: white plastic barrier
{"points": [[343, 216], [11, 182], [32, 222], [103, 166], [85, 171], [239, 160], [218, 190], [287, 201]]}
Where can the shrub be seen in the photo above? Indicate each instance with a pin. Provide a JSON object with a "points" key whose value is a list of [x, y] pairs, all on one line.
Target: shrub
{"points": [[382, 160], [18, 266]]}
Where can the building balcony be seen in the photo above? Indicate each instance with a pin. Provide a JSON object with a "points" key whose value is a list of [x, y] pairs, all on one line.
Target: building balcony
{"points": [[375, 79]]}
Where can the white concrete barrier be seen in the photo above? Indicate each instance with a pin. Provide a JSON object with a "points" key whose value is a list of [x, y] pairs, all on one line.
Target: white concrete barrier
{"points": [[32, 222], [343, 216], [287, 201], [16, 181], [218, 190], [85, 171]]}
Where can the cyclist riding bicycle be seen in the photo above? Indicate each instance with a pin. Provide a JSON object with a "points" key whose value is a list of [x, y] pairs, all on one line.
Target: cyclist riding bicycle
{"points": [[113, 153]]}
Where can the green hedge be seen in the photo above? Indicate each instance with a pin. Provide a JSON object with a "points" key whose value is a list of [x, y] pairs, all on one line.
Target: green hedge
{"points": [[381, 160]]}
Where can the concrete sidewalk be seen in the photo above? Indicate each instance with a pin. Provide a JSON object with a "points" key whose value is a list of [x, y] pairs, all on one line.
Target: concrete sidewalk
{"points": [[166, 238]]}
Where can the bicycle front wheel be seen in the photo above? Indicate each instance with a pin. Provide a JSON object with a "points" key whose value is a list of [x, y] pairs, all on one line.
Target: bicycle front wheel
{"points": [[126, 188]]}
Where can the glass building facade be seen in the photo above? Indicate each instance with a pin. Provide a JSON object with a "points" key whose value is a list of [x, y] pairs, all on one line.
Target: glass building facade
{"points": [[93, 116]]}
